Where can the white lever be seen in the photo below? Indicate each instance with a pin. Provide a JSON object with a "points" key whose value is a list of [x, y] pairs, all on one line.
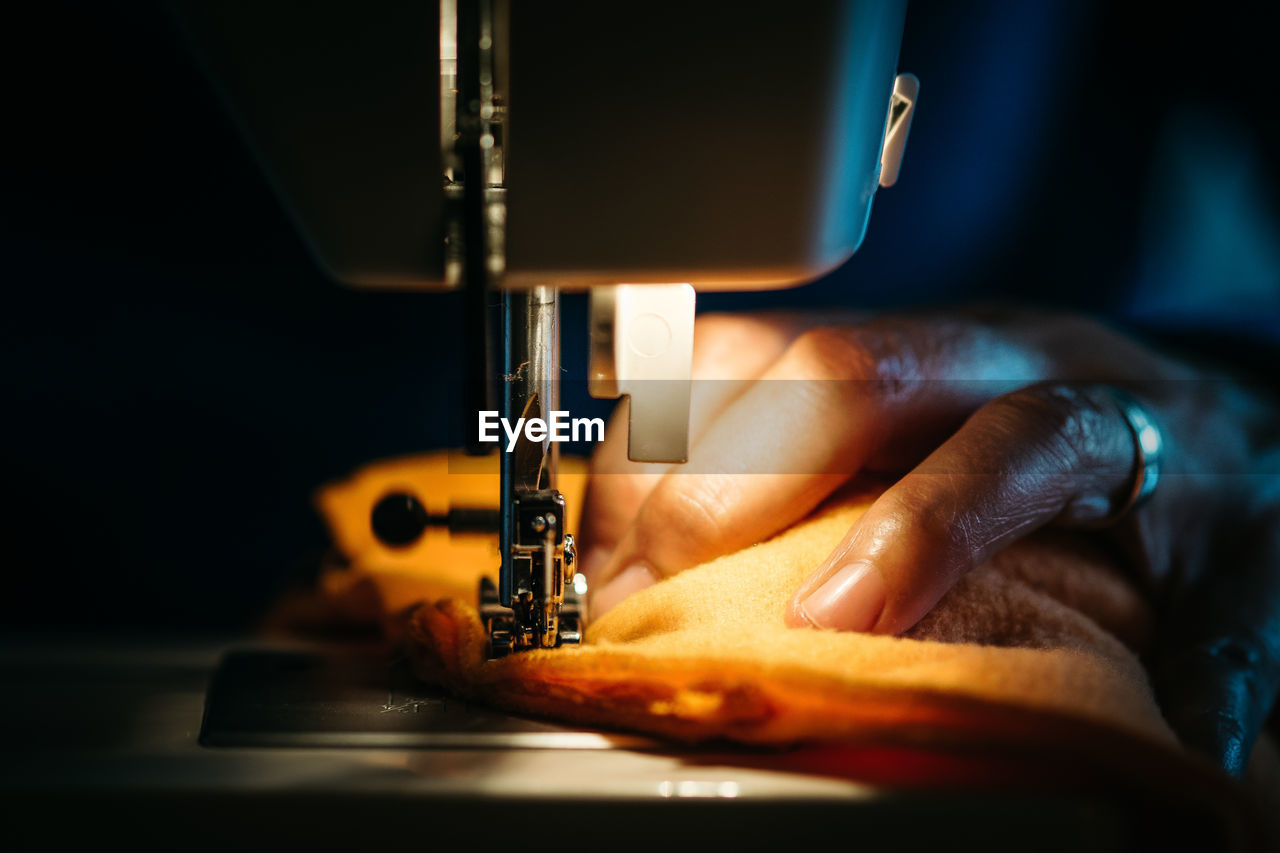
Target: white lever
{"points": [[902, 108], [642, 347]]}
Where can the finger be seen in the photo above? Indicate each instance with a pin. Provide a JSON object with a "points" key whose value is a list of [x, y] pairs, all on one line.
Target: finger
{"points": [[616, 487], [729, 352], [1046, 453], [1219, 668], [830, 403]]}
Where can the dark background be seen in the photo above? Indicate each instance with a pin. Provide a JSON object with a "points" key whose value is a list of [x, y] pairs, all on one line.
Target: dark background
{"points": [[178, 377]]}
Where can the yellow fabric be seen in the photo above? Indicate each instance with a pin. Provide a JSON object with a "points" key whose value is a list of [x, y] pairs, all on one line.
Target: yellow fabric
{"points": [[1027, 673], [707, 654]]}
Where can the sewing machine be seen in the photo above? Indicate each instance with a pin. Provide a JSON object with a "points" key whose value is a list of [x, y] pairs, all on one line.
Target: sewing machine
{"points": [[514, 150], [643, 152]]}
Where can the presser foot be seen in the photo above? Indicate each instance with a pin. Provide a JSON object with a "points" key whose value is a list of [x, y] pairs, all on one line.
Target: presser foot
{"points": [[507, 634]]}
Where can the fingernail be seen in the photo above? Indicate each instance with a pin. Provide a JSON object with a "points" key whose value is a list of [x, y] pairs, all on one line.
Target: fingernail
{"points": [[630, 580], [851, 600]]}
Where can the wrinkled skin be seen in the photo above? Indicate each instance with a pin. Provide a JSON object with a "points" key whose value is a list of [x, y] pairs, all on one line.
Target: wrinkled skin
{"points": [[993, 423]]}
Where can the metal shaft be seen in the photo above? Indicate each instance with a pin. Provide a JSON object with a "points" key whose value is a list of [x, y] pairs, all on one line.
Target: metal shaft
{"points": [[531, 389]]}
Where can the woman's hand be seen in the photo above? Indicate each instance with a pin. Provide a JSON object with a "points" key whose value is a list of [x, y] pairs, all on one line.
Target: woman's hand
{"points": [[999, 422]]}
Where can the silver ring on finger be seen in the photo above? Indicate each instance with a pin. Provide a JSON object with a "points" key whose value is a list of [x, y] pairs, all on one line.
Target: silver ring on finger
{"points": [[1148, 452]]}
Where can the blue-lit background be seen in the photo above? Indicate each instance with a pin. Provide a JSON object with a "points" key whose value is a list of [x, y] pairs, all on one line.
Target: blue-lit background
{"points": [[178, 377]]}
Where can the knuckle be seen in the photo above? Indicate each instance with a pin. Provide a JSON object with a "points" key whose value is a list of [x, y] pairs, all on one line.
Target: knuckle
{"points": [[1065, 420], [608, 494], [879, 364], [693, 515], [828, 352], [1244, 652], [1245, 659]]}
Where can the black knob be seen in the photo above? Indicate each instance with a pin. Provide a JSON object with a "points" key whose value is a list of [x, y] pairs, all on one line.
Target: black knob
{"points": [[399, 520]]}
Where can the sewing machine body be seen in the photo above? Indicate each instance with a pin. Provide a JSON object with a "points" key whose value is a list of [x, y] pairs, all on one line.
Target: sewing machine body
{"points": [[725, 144]]}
